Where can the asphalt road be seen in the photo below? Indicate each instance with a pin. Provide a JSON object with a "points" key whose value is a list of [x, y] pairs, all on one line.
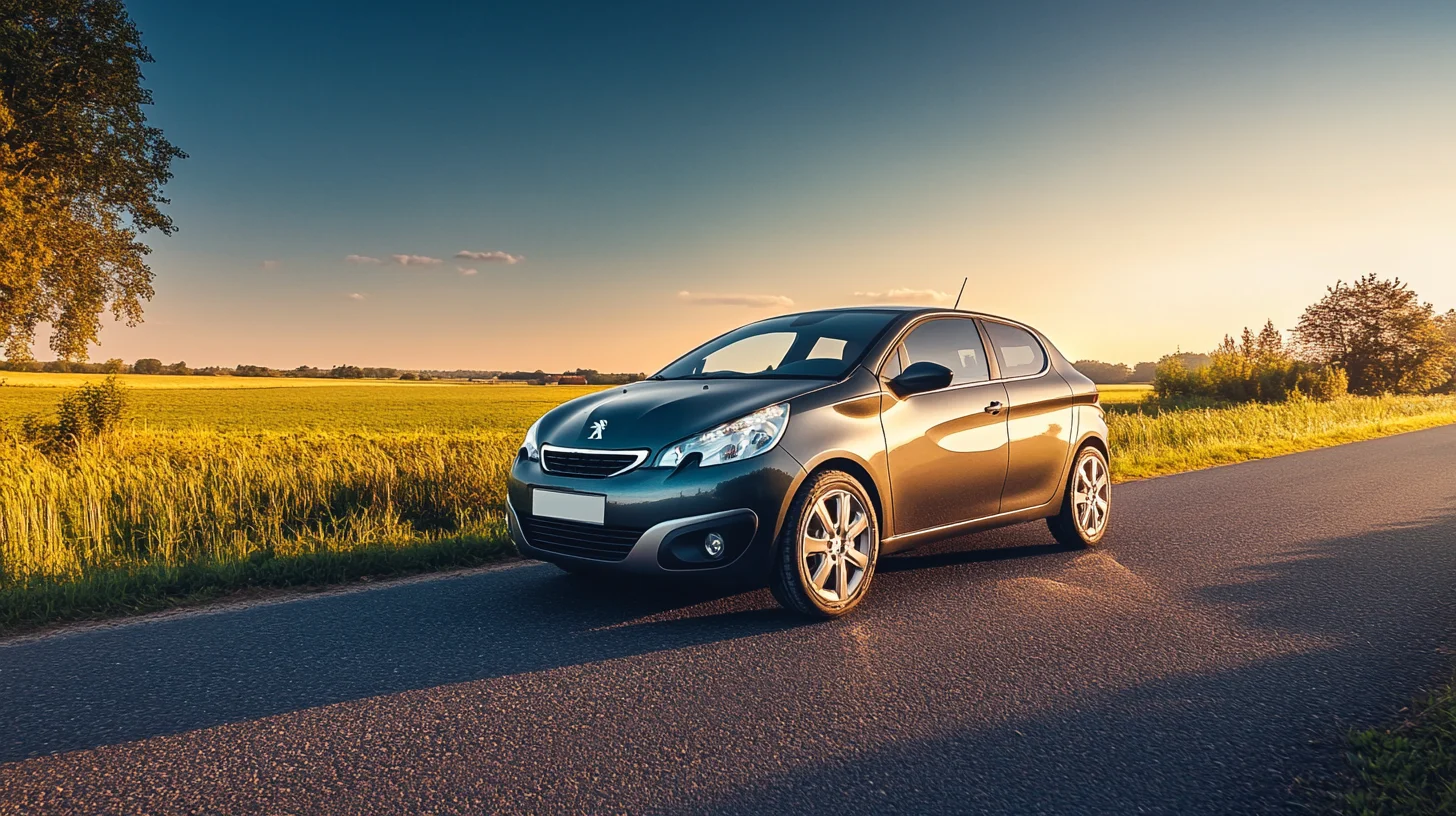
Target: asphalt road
{"points": [[1234, 623]]}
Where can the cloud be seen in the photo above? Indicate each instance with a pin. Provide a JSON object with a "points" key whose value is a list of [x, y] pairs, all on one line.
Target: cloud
{"points": [[357, 296], [489, 257], [757, 301], [905, 296], [467, 272], [415, 260], [270, 264], [361, 259]]}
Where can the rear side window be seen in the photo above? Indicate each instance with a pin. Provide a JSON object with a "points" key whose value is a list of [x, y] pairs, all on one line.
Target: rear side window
{"points": [[952, 342], [1018, 353]]}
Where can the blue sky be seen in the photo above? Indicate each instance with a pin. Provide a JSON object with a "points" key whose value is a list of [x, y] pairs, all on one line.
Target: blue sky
{"points": [[1129, 177]]}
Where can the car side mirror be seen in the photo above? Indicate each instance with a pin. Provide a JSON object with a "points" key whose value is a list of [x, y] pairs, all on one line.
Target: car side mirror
{"points": [[921, 377]]}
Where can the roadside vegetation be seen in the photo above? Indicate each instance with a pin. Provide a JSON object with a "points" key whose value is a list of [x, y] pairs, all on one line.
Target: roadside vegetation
{"points": [[118, 499], [1405, 768], [1154, 442], [99, 516]]}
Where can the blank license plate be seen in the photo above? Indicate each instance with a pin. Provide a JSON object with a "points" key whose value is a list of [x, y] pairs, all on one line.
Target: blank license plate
{"points": [[568, 506]]}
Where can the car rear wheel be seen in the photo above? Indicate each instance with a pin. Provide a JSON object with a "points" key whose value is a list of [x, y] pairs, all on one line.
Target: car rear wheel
{"points": [[1082, 520], [826, 553]]}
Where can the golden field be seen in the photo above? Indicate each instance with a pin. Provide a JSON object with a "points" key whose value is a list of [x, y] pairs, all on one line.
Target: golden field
{"points": [[210, 489]]}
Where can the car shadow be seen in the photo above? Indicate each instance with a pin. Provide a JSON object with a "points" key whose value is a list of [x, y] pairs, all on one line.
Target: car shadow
{"points": [[145, 678]]}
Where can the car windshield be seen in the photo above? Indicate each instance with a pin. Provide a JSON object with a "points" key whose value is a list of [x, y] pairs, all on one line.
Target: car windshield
{"points": [[818, 345]]}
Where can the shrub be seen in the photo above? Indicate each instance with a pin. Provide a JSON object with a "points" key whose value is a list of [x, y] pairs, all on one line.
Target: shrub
{"points": [[84, 413], [1323, 384], [1259, 368]]}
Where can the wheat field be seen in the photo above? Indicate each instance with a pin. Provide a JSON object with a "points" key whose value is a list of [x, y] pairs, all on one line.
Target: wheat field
{"points": [[214, 490]]}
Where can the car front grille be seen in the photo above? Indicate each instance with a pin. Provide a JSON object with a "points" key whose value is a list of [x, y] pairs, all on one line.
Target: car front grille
{"points": [[589, 464], [581, 540]]}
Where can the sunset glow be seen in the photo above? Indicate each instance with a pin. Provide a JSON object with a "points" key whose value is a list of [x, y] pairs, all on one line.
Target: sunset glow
{"points": [[524, 189]]}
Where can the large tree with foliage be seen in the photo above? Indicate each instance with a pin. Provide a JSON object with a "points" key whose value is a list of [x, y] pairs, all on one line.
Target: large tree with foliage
{"points": [[1379, 332], [81, 172]]}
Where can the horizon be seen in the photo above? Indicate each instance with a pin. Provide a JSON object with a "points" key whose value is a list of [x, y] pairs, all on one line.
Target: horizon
{"points": [[497, 189]]}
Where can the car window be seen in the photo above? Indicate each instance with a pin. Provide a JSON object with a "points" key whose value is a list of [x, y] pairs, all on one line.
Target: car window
{"points": [[952, 342], [813, 344], [751, 355], [827, 348], [1018, 353]]}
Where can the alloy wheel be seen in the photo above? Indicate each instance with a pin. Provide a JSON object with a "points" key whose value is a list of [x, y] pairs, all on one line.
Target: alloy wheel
{"points": [[837, 542], [1091, 495]]}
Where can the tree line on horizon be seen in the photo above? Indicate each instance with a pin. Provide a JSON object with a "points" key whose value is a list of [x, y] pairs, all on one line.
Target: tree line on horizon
{"points": [[154, 366], [1369, 337]]}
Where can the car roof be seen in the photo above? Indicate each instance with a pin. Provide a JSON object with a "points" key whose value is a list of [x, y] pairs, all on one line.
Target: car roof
{"points": [[908, 310]]}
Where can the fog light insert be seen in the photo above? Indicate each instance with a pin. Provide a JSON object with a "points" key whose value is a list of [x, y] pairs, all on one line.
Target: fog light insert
{"points": [[713, 545]]}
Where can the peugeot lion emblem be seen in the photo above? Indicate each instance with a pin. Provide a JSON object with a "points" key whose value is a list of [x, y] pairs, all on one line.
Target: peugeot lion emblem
{"points": [[597, 428]]}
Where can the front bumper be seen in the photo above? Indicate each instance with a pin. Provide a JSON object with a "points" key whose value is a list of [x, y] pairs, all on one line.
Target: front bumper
{"points": [[744, 499]]}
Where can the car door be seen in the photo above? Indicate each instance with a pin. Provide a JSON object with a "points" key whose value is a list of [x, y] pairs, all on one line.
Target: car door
{"points": [[1038, 419], [946, 449]]}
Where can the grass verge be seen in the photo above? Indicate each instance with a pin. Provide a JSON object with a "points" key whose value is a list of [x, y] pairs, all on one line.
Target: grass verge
{"points": [[1154, 443], [145, 588], [1409, 768]]}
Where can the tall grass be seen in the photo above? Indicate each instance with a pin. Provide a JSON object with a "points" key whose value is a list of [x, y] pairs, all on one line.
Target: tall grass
{"points": [[139, 518], [136, 505], [1149, 441]]}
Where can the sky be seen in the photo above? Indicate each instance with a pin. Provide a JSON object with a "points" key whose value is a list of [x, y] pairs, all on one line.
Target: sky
{"points": [[552, 185]]}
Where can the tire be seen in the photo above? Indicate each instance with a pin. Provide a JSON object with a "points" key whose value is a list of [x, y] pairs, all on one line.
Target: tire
{"points": [[835, 574], [1075, 525]]}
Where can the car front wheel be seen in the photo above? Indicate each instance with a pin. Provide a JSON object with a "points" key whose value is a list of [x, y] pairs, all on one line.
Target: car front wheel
{"points": [[826, 553], [1082, 520]]}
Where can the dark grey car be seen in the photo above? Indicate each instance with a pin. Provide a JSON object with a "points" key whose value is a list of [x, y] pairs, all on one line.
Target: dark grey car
{"points": [[797, 449]]}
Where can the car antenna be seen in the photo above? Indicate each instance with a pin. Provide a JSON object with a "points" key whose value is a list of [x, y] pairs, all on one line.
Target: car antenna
{"points": [[961, 292]]}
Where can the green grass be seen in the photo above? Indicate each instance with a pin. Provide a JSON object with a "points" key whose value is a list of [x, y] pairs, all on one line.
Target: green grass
{"points": [[99, 525], [1157, 442], [1408, 768], [211, 490]]}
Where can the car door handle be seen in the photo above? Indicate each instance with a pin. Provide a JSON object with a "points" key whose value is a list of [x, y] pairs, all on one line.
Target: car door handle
{"points": [[994, 408]]}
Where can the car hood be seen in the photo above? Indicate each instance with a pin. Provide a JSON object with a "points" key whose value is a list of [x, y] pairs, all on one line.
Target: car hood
{"points": [[653, 414]]}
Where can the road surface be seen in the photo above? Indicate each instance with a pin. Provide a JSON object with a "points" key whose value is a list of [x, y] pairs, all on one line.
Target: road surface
{"points": [[1235, 622]]}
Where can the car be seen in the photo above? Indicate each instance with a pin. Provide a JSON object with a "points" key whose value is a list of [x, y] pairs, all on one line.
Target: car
{"points": [[798, 450]]}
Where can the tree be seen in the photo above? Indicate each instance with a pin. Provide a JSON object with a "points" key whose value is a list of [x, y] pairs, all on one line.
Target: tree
{"points": [[147, 365], [1380, 334], [1143, 372], [1269, 342], [81, 172], [1103, 373]]}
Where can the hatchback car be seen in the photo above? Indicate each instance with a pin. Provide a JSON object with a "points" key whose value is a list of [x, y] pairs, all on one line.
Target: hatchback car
{"points": [[799, 449]]}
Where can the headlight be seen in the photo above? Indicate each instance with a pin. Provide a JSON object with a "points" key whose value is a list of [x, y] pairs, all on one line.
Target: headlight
{"points": [[530, 448], [742, 438]]}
